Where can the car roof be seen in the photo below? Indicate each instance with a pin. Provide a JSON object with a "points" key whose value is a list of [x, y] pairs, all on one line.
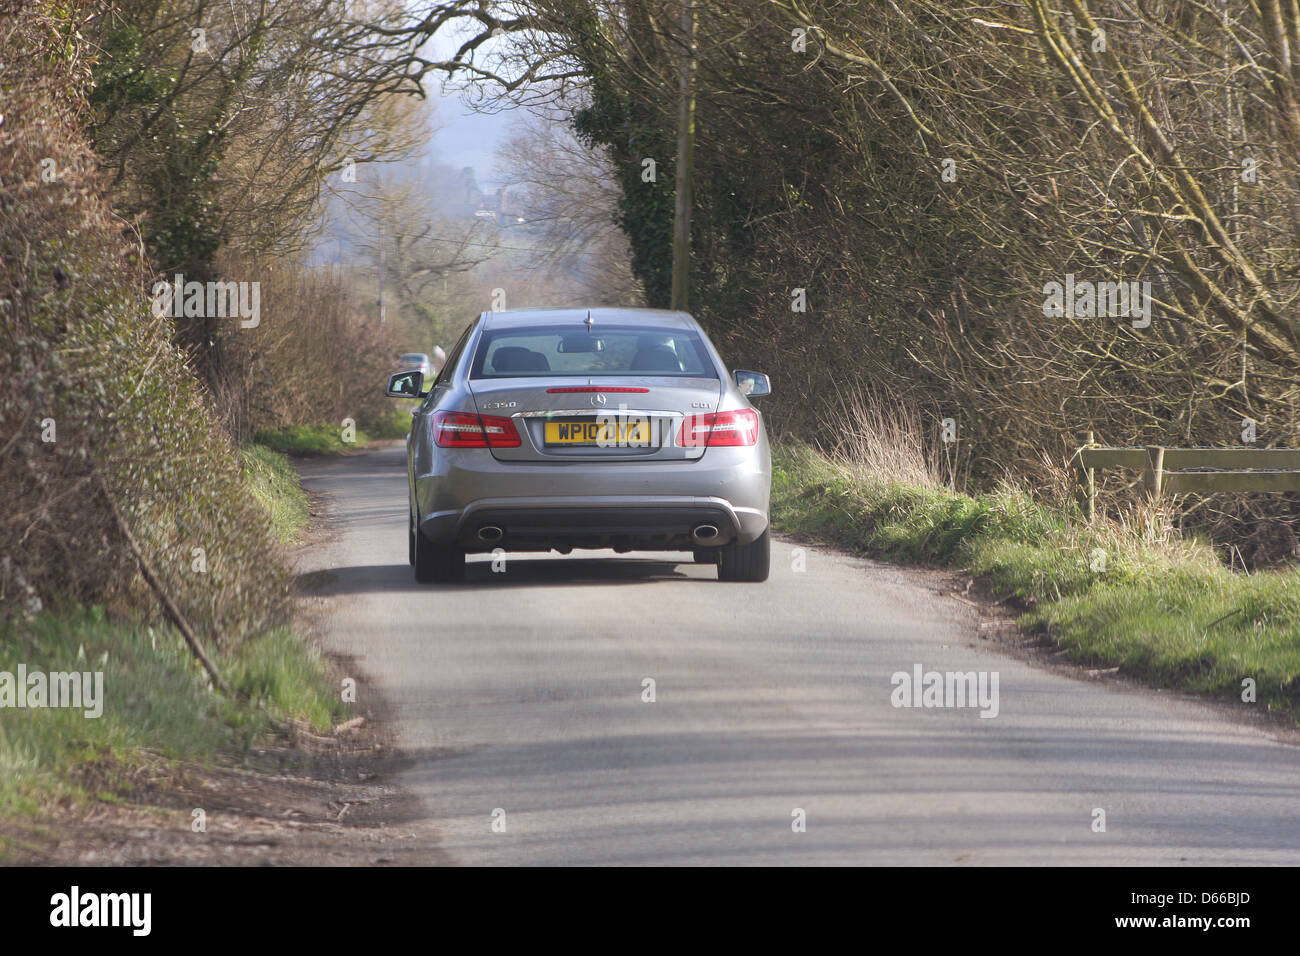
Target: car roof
{"points": [[661, 318]]}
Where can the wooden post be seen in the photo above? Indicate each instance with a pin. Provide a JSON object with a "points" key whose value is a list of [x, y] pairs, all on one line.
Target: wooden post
{"points": [[1153, 474], [1090, 479], [685, 164]]}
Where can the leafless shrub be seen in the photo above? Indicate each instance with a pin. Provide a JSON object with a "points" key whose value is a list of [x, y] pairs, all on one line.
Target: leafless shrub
{"points": [[882, 440], [319, 354]]}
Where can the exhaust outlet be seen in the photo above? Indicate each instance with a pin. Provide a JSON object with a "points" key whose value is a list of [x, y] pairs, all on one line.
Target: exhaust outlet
{"points": [[705, 532], [490, 532]]}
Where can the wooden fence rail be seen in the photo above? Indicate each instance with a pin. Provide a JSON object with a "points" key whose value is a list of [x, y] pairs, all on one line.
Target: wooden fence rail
{"points": [[1180, 470]]}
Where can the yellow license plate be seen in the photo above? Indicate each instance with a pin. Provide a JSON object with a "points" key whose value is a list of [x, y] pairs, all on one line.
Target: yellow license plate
{"points": [[605, 434]]}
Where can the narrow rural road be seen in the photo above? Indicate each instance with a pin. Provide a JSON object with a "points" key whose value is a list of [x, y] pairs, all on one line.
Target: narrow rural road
{"points": [[523, 691]]}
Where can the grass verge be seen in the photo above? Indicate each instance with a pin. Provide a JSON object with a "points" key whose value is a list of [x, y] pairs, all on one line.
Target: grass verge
{"points": [[328, 439], [274, 484], [1167, 612], [396, 424], [155, 703], [309, 439]]}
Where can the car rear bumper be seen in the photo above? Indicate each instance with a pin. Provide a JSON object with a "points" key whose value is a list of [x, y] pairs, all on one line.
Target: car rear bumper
{"points": [[627, 506], [623, 524]]}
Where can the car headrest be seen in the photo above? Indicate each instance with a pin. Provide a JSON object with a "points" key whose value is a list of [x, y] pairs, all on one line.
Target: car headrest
{"points": [[515, 358], [658, 358]]}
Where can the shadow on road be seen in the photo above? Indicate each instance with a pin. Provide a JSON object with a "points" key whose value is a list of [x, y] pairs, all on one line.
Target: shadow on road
{"points": [[479, 576]]}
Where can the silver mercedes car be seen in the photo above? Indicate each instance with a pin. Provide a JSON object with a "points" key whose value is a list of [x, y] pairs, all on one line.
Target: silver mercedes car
{"points": [[555, 429]]}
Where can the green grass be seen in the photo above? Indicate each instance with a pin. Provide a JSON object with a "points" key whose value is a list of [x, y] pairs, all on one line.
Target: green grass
{"points": [[1106, 595], [396, 424], [275, 486], [156, 704], [287, 676], [309, 439]]}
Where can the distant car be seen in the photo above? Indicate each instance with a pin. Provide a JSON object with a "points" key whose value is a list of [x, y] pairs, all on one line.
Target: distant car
{"points": [[566, 428], [416, 361]]}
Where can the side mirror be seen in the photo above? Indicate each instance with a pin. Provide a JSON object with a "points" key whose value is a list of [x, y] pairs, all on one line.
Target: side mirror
{"points": [[405, 385], [752, 384]]}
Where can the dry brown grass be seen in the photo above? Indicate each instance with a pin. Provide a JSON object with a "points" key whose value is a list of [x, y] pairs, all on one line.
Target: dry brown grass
{"points": [[882, 440]]}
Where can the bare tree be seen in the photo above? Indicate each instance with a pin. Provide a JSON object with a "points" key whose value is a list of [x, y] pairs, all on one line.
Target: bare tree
{"points": [[568, 194]]}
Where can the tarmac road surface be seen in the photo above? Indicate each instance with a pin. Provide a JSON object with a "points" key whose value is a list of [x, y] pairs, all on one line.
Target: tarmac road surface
{"points": [[524, 691]]}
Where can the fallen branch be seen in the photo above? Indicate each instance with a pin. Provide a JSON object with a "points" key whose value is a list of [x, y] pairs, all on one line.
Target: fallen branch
{"points": [[169, 606]]}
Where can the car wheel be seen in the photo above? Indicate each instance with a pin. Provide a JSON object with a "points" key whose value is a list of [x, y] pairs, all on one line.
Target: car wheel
{"points": [[437, 562], [410, 541], [706, 555], [746, 562]]}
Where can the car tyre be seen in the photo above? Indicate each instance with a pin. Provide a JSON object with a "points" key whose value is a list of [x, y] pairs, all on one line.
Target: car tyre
{"points": [[746, 562], [410, 541], [437, 562], [706, 555]]}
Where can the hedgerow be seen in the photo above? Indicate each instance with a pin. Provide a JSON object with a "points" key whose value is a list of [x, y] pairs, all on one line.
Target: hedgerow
{"points": [[98, 411]]}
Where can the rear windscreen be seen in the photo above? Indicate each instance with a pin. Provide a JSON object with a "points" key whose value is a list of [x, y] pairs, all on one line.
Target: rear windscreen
{"points": [[562, 351]]}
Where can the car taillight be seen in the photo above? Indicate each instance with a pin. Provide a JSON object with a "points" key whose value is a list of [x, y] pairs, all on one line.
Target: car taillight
{"points": [[719, 429], [467, 430]]}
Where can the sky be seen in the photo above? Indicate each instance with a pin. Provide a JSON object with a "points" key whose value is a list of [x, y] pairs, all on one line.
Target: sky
{"points": [[459, 137], [464, 137]]}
